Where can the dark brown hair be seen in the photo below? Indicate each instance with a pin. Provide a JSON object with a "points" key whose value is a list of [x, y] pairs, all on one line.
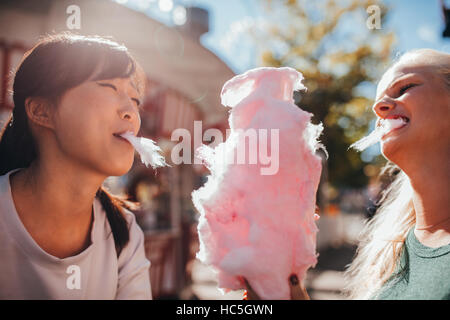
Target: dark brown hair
{"points": [[54, 65]]}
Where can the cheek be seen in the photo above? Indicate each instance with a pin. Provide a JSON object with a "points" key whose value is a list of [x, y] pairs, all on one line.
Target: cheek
{"points": [[87, 139], [84, 128], [79, 118], [429, 126]]}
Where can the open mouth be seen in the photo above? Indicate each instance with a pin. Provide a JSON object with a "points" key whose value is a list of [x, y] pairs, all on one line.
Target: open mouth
{"points": [[405, 119], [393, 124], [392, 119], [119, 137]]}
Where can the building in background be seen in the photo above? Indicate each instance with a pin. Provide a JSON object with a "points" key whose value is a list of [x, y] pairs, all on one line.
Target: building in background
{"points": [[184, 84]]}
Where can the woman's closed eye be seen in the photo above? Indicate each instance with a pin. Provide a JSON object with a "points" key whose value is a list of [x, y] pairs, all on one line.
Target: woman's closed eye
{"points": [[138, 102], [406, 88]]}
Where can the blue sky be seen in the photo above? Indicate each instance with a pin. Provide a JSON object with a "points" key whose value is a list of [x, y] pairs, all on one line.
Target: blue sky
{"points": [[416, 23]]}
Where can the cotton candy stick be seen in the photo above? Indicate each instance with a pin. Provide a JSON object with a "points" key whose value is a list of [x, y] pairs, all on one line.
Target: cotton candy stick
{"points": [[375, 136], [147, 149]]}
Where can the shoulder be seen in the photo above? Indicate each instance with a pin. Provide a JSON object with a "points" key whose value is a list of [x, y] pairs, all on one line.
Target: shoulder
{"points": [[134, 277], [6, 201], [3, 186], [129, 216], [136, 244], [4, 182], [135, 230], [134, 249]]}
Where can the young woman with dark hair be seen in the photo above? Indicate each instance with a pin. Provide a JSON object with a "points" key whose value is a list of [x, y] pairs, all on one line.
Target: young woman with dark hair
{"points": [[62, 234]]}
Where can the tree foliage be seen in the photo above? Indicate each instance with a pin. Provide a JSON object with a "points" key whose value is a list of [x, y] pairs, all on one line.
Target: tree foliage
{"points": [[330, 43]]}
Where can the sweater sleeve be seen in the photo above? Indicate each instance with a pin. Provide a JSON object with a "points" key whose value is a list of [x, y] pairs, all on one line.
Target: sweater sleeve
{"points": [[134, 277]]}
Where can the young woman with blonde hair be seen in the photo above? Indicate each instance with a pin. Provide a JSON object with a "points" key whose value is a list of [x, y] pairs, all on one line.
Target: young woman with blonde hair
{"points": [[404, 251]]}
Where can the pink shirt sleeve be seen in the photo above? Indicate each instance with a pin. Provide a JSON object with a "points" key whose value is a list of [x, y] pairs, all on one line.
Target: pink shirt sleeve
{"points": [[134, 277]]}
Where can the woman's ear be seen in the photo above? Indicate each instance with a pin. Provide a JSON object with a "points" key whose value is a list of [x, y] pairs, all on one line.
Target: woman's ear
{"points": [[39, 111]]}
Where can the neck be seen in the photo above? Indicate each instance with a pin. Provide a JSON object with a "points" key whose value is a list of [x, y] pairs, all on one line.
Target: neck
{"points": [[430, 182], [62, 192]]}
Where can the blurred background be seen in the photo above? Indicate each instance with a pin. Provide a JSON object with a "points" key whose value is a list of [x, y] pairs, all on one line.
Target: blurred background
{"points": [[188, 49]]}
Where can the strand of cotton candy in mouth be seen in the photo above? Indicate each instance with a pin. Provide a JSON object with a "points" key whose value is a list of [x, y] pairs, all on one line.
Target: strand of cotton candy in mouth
{"points": [[147, 149], [375, 136]]}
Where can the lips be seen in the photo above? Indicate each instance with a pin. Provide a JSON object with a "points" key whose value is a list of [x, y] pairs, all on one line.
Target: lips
{"points": [[118, 135], [392, 117], [392, 123], [404, 118]]}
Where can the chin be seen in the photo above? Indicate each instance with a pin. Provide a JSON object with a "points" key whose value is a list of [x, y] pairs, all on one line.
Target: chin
{"points": [[118, 173], [392, 150], [119, 169]]}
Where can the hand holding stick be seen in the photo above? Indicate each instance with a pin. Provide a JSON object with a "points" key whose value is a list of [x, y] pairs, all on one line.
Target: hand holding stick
{"points": [[298, 291]]}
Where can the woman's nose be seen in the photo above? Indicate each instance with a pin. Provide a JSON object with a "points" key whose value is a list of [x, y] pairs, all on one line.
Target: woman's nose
{"points": [[383, 107], [130, 113], [126, 115]]}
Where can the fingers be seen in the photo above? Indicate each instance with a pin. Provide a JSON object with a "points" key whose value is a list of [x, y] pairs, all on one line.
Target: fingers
{"points": [[250, 294], [298, 292]]}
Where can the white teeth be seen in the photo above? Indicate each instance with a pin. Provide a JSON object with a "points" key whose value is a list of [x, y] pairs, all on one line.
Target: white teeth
{"points": [[403, 118], [383, 127], [389, 124]]}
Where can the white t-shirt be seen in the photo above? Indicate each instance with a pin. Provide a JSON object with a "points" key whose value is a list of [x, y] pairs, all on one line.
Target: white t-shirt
{"points": [[28, 272]]}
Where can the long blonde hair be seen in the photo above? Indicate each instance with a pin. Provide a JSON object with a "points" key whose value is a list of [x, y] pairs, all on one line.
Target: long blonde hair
{"points": [[382, 238]]}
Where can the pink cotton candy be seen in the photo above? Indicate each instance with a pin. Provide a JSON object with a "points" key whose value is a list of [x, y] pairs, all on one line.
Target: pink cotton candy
{"points": [[253, 225]]}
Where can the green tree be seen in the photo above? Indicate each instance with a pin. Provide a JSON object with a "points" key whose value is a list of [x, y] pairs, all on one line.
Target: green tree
{"points": [[330, 43]]}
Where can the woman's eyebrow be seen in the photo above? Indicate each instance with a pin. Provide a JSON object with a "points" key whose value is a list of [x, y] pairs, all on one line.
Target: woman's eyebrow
{"points": [[400, 80], [115, 88], [397, 81], [406, 77], [134, 86], [140, 94]]}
